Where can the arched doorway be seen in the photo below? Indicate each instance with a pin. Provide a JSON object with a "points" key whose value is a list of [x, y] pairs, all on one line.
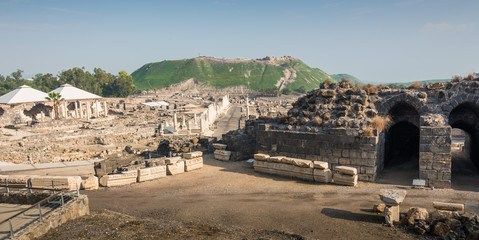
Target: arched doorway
{"points": [[400, 164], [464, 119]]}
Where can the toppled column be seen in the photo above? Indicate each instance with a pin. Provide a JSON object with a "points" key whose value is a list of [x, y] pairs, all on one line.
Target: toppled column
{"points": [[392, 198], [346, 176]]}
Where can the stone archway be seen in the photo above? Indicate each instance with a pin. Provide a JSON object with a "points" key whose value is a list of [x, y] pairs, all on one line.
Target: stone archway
{"points": [[465, 116], [401, 146]]}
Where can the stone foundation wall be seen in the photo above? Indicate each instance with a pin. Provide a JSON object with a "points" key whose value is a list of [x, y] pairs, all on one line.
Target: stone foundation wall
{"points": [[362, 153], [435, 156]]}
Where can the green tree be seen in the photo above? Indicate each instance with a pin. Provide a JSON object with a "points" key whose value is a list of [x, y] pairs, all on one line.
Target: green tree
{"points": [[286, 91], [122, 86], [56, 98]]}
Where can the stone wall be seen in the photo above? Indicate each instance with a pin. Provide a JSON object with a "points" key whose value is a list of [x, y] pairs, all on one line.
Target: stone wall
{"points": [[435, 156], [362, 153]]}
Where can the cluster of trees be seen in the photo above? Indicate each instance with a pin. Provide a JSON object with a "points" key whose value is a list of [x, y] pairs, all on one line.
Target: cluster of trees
{"points": [[99, 82]]}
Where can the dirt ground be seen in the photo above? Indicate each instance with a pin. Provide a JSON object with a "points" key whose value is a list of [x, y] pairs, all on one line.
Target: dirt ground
{"points": [[228, 200]]}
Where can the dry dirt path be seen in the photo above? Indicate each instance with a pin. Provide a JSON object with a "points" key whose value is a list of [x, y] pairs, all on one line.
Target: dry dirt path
{"points": [[231, 194]]}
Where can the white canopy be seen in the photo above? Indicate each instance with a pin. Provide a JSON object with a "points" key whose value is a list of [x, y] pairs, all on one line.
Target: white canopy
{"points": [[156, 104], [69, 92], [23, 94]]}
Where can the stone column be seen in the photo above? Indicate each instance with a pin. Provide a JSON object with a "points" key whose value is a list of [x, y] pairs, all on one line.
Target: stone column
{"points": [[88, 110], [175, 122], [196, 120], [64, 109], [97, 108], [202, 125], [80, 109], [105, 109], [184, 122]]}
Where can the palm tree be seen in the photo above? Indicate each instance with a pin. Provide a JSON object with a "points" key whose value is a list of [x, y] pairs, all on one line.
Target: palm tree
{"points": [[56, 98]]}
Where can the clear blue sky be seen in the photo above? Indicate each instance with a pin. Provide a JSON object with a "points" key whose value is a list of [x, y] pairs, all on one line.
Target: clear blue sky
{"points": [[377, 41]]}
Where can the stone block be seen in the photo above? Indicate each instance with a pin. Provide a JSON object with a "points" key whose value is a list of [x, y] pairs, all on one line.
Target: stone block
{"points": [[322, 175], [346, 170], [193, 164], [89, 183], [344, 161], [320, 165], [15, 180], [120, 179], [222, 155], [147, 174], [219, 146], [56, 182], [392, 197], [191, 155], [303, 163], [176, 168], [303, 173], [173, 160], [261, 157], [368, 170], [344, 179], [275, 159]]}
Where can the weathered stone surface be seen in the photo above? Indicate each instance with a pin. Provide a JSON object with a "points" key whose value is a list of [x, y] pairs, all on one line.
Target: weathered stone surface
{"points": [[448, 206], [191, 155], [379, 208], [57, 182], [173, 160], [302, 163], [151, 173], [193, 164], [222, 155], [15, 180], [219, 146], [261, 157], [323, 175], [119, 179], [392, 197], [275, 159], [176, 168], [89, 183], [344, 179], [416, 214], [440, 229], [320, 165], [346, 170]]}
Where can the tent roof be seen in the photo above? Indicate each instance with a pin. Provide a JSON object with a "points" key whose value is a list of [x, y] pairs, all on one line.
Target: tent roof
{"points": [[156, 104], [69, 92], [23, 94]]}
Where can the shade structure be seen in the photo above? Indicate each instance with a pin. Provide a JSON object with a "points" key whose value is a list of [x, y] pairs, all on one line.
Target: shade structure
{"points": [[69, 92], [23, 94], [156, 104]]}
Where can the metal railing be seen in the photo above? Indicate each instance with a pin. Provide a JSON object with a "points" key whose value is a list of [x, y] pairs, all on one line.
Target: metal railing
{"points": [[37, 211]]}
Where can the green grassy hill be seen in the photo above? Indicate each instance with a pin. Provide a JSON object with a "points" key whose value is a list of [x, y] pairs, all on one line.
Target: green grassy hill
{"points": [[256, 74], [351, 78]]}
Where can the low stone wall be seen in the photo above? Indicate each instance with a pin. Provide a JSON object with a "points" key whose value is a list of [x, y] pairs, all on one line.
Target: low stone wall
{"points": [[363, 153], [22, 198], [73, 209]]}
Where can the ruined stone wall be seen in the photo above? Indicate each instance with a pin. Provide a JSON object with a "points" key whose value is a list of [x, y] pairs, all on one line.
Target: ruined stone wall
{"points": [[435, 156], [362, 153]]}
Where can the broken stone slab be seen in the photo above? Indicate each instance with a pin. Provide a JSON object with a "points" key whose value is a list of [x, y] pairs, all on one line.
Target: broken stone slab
{"points": [[175, 168], [302, 163], [448, 206], [119, 179], [392, 197], [193, 164], [320, 165], [275, 159], [89, 183], [173, 160], [416, 214], [219, 146], [379, 208], [347, 170], [323, 175], [56, 182], [222, 155], [191, 155], [345, 179], [151, 173], [261, 157]]}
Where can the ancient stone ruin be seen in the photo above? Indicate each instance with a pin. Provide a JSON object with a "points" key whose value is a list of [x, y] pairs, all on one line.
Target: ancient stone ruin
{"points": [[371, 128]]}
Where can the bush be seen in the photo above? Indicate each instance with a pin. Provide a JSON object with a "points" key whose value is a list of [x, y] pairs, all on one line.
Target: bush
{"points": [[370, 89], [286, 91], [415, 85], [301, 89], [380, 123]]}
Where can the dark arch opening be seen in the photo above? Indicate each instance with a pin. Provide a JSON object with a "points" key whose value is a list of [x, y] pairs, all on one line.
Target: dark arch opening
{"points": [[400, 163], [464, 166]]}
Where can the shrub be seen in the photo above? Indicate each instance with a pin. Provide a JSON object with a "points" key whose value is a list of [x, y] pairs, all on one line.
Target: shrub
{"points": [[367, 132], [470, 77], [370, 89], [318, 121], [380, 123], [415, 85], [286, 91], [328, 81]]}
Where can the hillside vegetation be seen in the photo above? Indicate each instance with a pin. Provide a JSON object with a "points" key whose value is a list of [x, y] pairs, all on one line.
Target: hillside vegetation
{"points": [[257, 74], [351, 78]]}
